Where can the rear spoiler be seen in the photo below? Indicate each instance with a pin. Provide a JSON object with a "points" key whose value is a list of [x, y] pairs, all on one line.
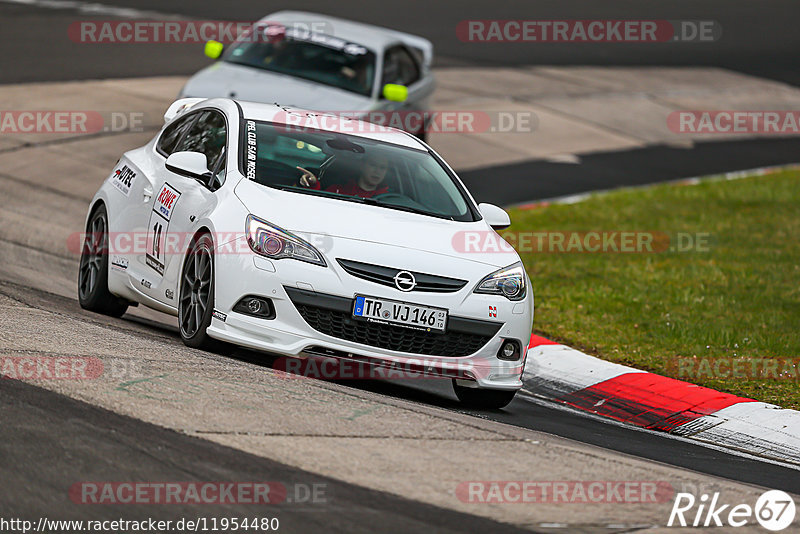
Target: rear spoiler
{"points": [[179, 107], [421, 46]]}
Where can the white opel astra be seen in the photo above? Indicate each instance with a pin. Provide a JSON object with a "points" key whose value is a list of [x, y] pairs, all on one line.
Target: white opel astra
{"points": [[310, 236]]}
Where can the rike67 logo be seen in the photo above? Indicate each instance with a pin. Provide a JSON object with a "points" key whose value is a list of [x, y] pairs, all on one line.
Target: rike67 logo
{"points": [[774, 510]]}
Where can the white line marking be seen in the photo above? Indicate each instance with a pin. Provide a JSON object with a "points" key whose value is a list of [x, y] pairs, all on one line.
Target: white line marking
{"points": [[92, 8], [694, 180]]}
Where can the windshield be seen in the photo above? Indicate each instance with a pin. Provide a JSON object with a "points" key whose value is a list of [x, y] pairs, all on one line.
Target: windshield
{"points": [[313, 56], [351, 168]]}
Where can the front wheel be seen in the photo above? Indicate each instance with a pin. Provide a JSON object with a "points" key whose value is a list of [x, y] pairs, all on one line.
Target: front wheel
{"points": [[490, 399], [93, 293], [197, 295]]}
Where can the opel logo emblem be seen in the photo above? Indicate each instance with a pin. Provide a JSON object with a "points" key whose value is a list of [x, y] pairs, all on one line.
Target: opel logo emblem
{"points": [[405, 281]]}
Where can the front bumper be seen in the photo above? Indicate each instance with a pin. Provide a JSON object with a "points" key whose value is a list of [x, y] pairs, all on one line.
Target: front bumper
{"points": [[312, 317]]}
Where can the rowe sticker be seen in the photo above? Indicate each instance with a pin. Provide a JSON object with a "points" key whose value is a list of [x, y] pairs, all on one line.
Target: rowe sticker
{"points": [[158, 227]]}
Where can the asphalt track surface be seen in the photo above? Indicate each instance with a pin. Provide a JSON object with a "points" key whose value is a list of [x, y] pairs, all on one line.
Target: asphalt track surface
{"points": [[521, 412], [759, 38], [60, 440], [537, 180], [539, 416]]}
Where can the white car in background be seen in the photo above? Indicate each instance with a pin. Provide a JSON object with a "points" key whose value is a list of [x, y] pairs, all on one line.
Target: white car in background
{"points": [[309, 242], [324, 63]]}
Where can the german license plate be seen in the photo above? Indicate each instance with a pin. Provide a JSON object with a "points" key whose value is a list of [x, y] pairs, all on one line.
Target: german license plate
{"points": [[400, 313]]}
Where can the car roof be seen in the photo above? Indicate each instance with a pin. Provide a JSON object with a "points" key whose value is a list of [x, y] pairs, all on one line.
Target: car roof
{"points": [[297, 117], [373, 37]]}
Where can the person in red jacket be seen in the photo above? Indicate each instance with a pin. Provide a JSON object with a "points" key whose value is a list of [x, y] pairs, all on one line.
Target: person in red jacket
{"points": [[367, 185]]}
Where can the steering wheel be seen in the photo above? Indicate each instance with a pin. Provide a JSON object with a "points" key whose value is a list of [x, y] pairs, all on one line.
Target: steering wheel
{"points": [[274, 172]]}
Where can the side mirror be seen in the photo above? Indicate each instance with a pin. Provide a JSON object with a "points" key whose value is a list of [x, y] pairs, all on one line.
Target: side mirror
{"points": [[395, 93], [213, 49], [495, 216], [189, 164]]}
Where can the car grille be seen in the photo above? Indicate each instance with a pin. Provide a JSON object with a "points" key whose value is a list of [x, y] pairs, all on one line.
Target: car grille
{"points": [[331, 315], [385, 276]]}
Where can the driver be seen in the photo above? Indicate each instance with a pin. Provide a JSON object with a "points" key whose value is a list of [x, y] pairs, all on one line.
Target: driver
{"points": [[367, 184]]}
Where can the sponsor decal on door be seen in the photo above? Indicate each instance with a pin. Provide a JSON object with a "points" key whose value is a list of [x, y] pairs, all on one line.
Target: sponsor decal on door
{"points": [[158, 227]]}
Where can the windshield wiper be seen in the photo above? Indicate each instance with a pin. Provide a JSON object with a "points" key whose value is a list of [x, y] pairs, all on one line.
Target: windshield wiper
{"points": [[378, 202], [360, 200], [318, 193]]}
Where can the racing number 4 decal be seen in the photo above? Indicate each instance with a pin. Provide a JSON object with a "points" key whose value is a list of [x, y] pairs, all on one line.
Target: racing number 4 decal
{"points": [[158, 227]]}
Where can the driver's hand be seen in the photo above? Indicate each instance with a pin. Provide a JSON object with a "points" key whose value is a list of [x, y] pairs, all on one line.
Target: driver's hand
{"points": [[307, 179]]}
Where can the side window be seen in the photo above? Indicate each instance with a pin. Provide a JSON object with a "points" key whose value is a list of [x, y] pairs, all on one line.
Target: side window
{"points": [[172, 134], [400, 67], [207, 136]]}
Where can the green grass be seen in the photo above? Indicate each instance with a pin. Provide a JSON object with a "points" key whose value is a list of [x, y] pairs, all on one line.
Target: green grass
{"points": [[739, 299]]}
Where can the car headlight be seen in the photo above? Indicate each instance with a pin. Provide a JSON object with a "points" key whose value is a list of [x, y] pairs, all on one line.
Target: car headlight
{"points": [[275, 243], [508, 282]]}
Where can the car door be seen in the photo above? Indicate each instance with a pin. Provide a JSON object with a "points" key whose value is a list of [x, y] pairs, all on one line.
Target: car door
{"points": [[179, 201], [402, 67], [147, 168]]}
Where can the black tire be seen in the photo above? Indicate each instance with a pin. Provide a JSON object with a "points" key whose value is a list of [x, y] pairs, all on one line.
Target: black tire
{"points": [[93, 293], [196, 298], [489, 399]]}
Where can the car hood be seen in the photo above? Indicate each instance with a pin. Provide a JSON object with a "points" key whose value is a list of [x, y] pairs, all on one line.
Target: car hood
{"points": [[247, 83], [320, 220]]}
